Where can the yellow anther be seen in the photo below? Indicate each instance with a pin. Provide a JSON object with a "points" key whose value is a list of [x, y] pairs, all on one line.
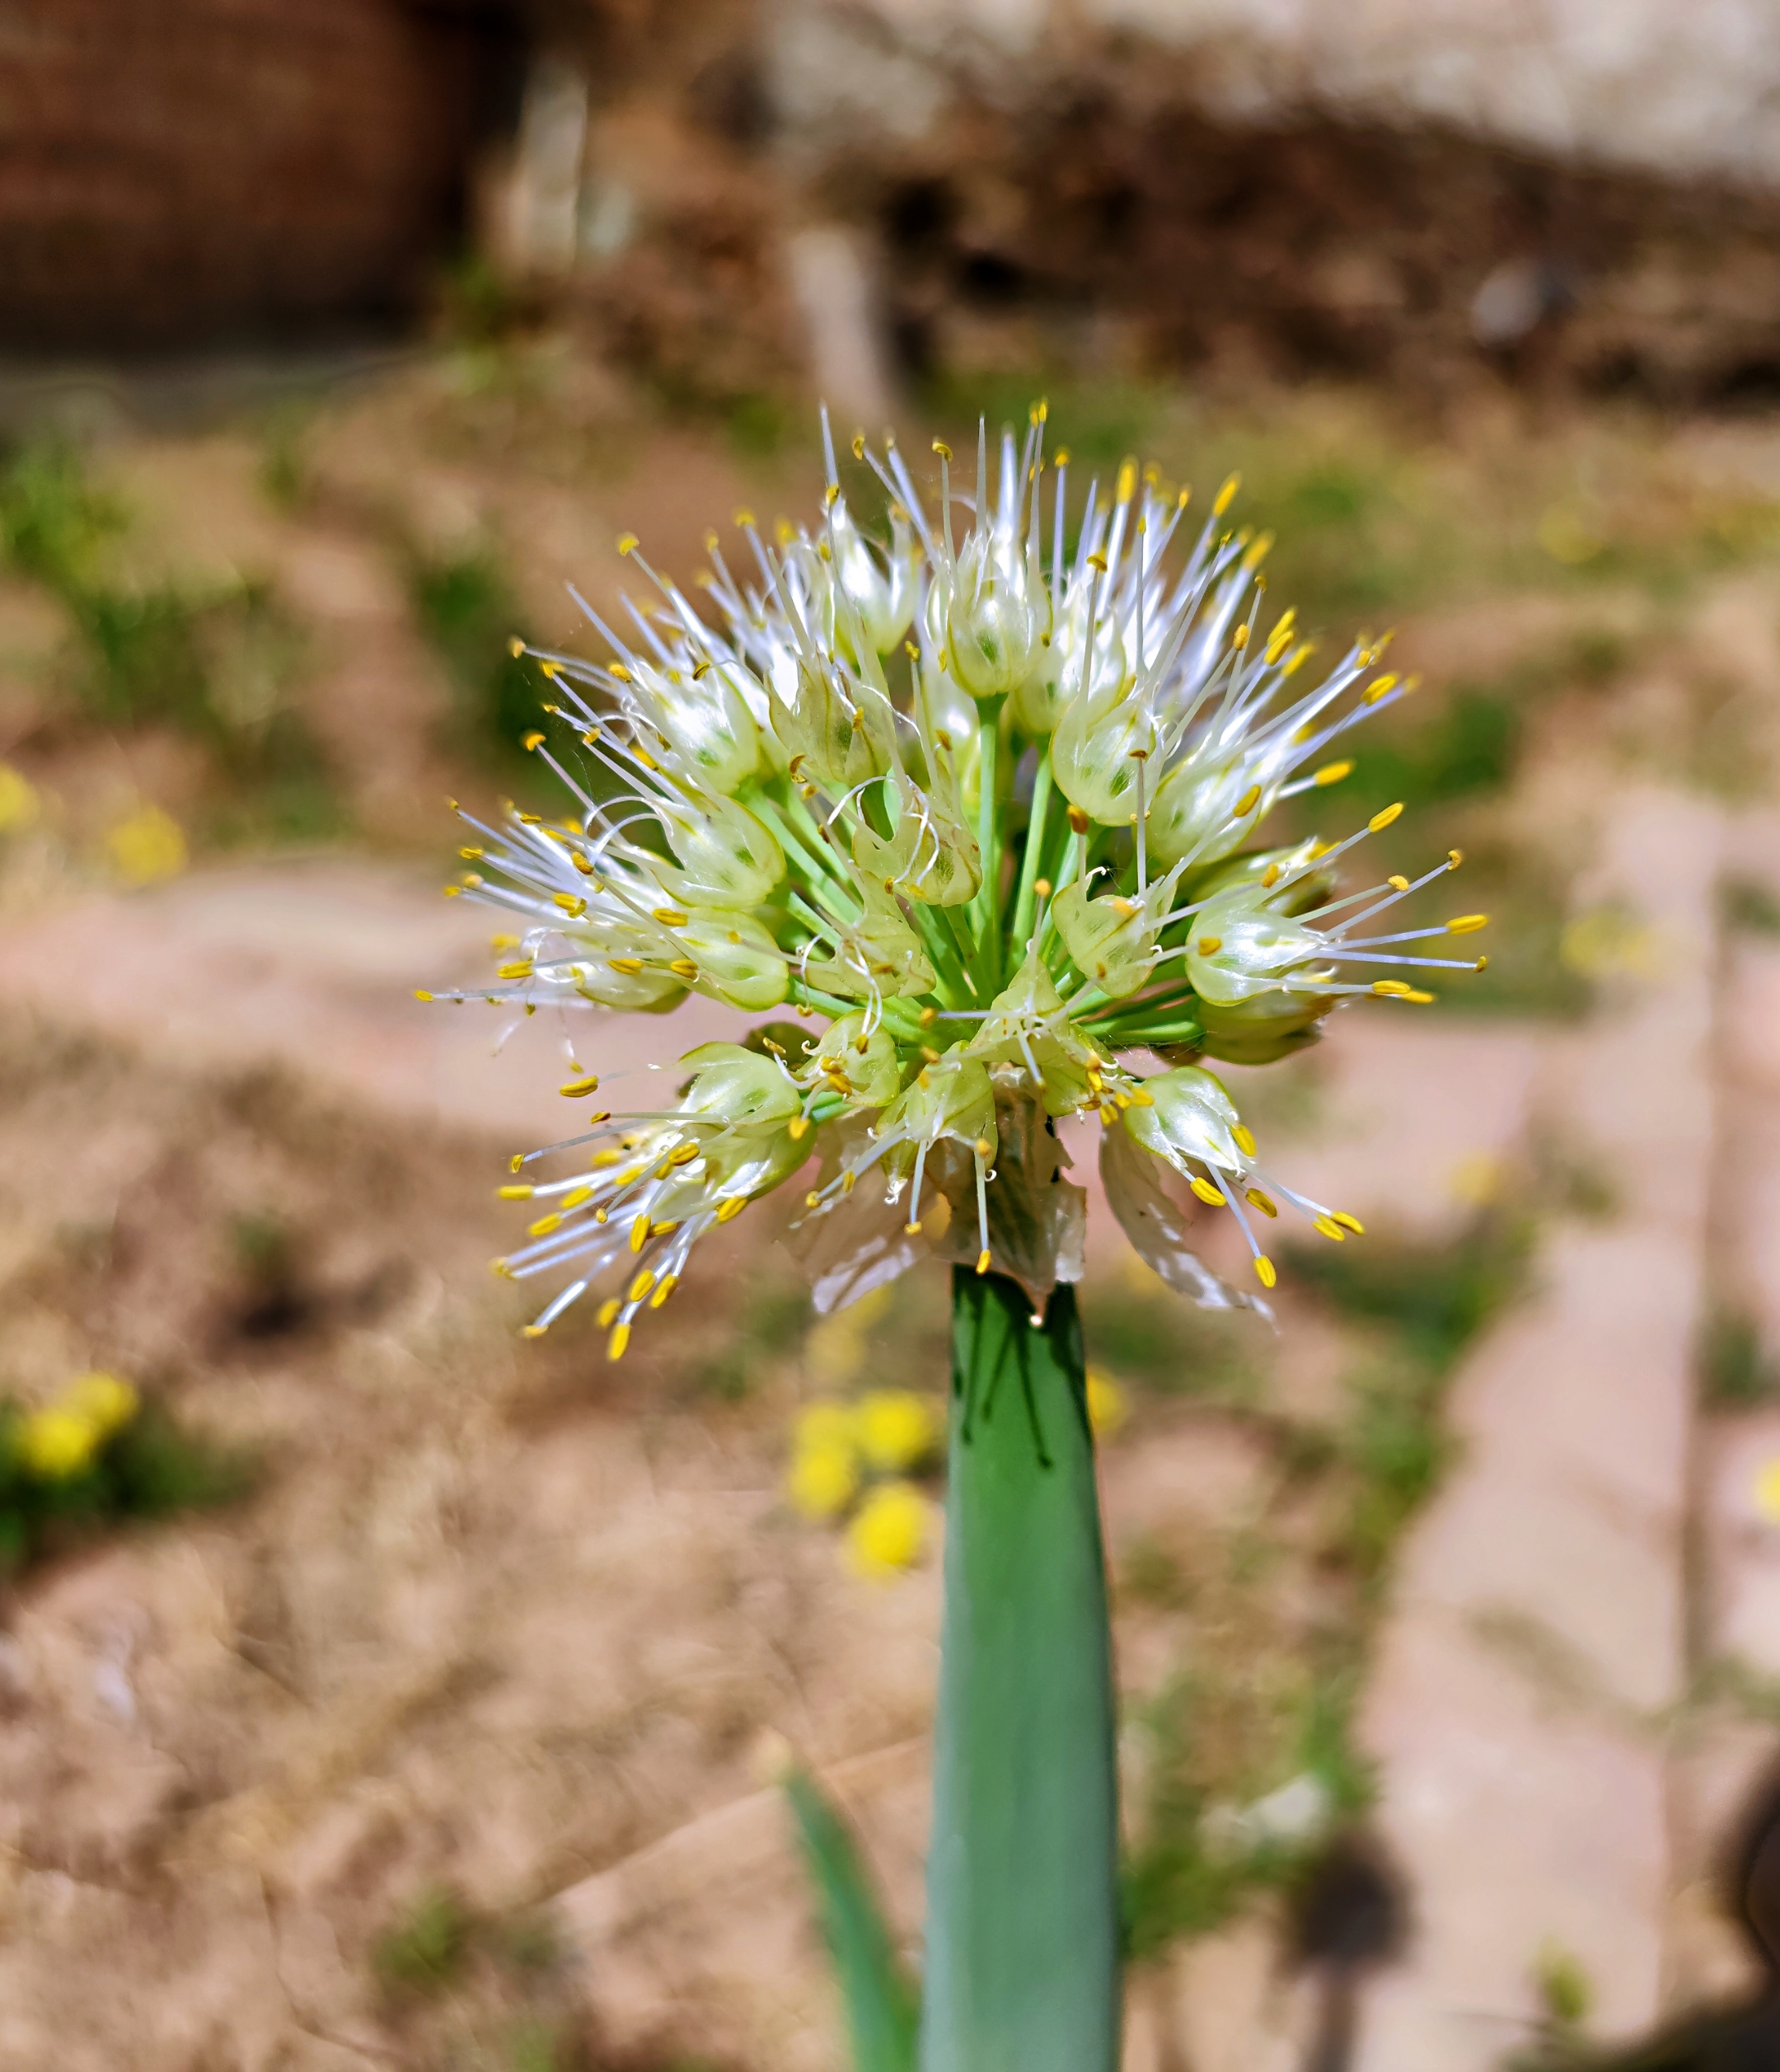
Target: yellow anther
{"points": [[982, 1260], [639, 1231], [1259, 552], [608, 1311], [1381, 688], [1397, 884], [543, 1227], [471, 854], [1328, 1227], [620, 1338], [1298, 657], [928, 1016], [576, 1196], [1349, 1222], [683, 968], [783, 531], [617, 669], [1391, 989], [797, 1128], [1079, 820], [630, 966], [521, 969], [500, 1267], [669, 1282], [551, 670], [423, 996], [1098, 561], [1127, 481], [911, 1230], [533, 740], [516, 1161], [1108, 1114], [744, 517], [1209, 945], [942, 449], [831, 496], [640, 1285], [581, 863], [1421, 1000], [1382, 819], [1411, 685], [671, 916], [522, 1192], [1245, 1137], [1042, 887], [1226, 496], [728, 1210], [1467, 924], [931, 1055], [572, 903], [533, 1330], [1140, 1099], [1256, 1199], [1454, 857], [516, 647], [1207, 1192], [1247, 803], [1333, 773], [1271, 876], [849, 1181], [686, 1155], [603, 1158], [1482, 964], [1264, 1273]]}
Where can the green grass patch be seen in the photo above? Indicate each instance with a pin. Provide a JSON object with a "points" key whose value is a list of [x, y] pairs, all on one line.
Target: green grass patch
{"points": [[1735, 1371], [149, 1467], [423, 1950], [1222, 1745], [213, 662], [465, 607]]}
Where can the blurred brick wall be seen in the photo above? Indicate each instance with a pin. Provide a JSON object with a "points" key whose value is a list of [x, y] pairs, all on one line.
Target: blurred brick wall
{"points": [[184, 171]]}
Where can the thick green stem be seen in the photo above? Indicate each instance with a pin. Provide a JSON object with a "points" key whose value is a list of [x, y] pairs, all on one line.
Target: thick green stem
{"points": [[1023, 1918]]}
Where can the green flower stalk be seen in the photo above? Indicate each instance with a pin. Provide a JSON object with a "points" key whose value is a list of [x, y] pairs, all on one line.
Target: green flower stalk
{"points": [[982, 804]]}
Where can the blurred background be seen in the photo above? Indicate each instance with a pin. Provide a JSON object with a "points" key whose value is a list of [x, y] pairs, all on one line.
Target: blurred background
{"points": [[378, 1688]]}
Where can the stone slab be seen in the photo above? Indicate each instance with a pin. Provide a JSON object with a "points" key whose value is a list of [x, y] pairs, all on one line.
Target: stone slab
{"points": [[313, 963]]}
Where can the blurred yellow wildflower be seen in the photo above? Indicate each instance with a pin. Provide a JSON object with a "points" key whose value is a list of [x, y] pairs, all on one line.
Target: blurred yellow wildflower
{"points": [[18, 799], [822, 1480], [57, 1442], [107, 1402], [147, 846], [824, 1423], [897, 1429], [889, 1532], [1477, 1179], [1107, 1409]]}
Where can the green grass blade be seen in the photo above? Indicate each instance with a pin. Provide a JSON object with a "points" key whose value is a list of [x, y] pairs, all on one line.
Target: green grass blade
{"points": [[1022, 1909], [880, 1997]]}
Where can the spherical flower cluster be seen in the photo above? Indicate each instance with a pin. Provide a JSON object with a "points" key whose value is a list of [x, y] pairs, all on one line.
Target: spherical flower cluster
{"points": [[983, 805]]}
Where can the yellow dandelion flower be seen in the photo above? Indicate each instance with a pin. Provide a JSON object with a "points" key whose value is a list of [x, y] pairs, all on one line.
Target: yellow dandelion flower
{"points": [[823, 1480], [1108, 1408], [147, 846], [889, 1532], [18, 799], [57, 1443], [105, 1401], [822, 1425], [897, 1429]]}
